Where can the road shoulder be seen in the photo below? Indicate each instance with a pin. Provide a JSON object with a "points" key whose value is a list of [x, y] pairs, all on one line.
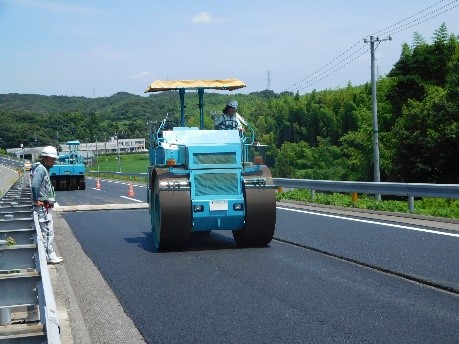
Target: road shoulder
{"points": [[84, 297], [405, 218]]}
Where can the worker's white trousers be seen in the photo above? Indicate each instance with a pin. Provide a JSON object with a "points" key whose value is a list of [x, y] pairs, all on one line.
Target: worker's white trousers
{"points": [[45, 218]]}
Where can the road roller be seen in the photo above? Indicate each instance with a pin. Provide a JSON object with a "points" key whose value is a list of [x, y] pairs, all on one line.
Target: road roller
{"points": [[68, 173], [203, 180]]}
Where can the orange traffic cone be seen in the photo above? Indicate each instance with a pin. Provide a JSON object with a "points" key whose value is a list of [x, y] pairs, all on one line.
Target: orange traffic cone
{"points": [[98, 184], [131, 191]]}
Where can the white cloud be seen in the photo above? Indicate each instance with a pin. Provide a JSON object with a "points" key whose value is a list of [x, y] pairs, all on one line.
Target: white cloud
{"points": [[141, 75], [53, 6], [205, 18]]}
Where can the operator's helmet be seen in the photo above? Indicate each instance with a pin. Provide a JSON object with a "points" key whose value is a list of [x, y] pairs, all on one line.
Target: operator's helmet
{"points": [[50, 151], [233, 104]]}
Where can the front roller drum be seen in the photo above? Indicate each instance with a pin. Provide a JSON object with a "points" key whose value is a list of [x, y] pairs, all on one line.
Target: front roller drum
{"points": [[260, 219], [62, 183], [170, 213], [81, 183], [73, 183]]}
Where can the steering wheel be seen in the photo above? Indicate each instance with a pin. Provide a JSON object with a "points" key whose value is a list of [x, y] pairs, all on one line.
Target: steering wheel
{"points": [[228, 124]]}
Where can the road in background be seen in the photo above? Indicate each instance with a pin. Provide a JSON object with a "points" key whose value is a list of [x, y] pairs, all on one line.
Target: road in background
{"points": [[8, 173], [109, 192], [13, 163]]}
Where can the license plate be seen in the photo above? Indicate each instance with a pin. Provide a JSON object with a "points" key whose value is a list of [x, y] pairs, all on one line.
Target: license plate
{"points": [[218, 205]]}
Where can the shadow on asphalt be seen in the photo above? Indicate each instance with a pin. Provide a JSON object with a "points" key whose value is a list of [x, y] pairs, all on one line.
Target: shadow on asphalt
{"points": [[199, 241], [145, 242]]}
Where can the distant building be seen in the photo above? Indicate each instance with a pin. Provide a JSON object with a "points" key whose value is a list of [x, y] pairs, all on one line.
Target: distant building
{"points": [[88, 150], [26, 153], [112, 145]]}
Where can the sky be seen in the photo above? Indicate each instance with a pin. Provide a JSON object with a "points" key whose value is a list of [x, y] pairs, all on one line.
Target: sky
{"points": [[98, 48]]}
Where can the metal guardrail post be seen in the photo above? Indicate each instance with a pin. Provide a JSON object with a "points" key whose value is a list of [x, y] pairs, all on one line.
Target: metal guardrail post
{"points": [[411, 204], [5, 313], [5, 316]]}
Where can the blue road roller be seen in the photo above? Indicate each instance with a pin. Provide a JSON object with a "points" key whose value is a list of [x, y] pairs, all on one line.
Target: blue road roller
{"points": [[203, 180]]}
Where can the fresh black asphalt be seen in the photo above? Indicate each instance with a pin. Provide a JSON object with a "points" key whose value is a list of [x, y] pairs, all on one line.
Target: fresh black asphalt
{"points": [[423, 255], [216, 293]]}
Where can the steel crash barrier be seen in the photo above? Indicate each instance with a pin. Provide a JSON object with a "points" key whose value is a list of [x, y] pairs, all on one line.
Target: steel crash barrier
{"points": [[28, 312], [409, 190]]}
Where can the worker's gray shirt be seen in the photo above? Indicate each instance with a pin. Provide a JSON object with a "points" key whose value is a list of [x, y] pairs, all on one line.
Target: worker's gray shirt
{"points": [[42, 189]]}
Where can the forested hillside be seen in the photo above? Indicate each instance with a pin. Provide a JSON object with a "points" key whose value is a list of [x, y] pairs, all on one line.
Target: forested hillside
{"points": [[321, 135]]}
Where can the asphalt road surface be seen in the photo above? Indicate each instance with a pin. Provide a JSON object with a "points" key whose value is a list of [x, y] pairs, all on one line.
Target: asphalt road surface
{"points": [[325, 278], [109, 192], [8, 174]]}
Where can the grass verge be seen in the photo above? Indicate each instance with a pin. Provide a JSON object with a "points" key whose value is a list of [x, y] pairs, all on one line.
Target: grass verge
{"points": [[436, 207]]}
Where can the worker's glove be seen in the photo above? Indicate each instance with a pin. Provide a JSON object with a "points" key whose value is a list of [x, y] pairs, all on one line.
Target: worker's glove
{"points": [[48, 204]]}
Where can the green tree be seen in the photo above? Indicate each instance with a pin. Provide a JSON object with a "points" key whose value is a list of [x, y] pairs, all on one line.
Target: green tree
{"points": [[426, 138]]}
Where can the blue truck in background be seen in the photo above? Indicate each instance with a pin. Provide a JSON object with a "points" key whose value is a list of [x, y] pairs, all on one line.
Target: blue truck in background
{"points": [[68, 173]]}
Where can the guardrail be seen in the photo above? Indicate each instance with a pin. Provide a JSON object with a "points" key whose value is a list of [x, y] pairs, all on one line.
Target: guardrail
{"points": [[409, 190], [28, 312]]}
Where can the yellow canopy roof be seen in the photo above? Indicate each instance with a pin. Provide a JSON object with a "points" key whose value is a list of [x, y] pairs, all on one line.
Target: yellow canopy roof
{"points": [[170, 85]]}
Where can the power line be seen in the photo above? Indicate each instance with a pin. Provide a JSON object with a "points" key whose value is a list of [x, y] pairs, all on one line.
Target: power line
{"points": [[318, 70], [403, 20], [336, 65], [420, 20], [332, 70], [417, 22]]}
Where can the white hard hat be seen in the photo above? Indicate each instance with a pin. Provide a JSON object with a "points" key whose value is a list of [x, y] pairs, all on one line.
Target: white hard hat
{"points": [[50, 151], [233, 104]]}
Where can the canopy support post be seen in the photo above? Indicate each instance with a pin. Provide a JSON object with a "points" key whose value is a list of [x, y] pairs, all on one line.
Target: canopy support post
{"points": [[182, 107], [201, 108]]}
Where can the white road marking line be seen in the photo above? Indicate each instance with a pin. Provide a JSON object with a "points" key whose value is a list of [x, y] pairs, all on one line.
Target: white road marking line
{"points": [[371, 222], [119, 182], [132, 199]]}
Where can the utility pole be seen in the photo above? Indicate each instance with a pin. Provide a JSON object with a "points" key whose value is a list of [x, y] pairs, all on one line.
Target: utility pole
{"points": [[97, 155], [57, 142], [376, 173], [87, 154], [269, 80], [118, 146], [22, 147]]}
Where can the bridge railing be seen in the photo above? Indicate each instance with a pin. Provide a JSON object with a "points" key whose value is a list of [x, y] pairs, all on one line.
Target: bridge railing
{"points": [[25, 285]]}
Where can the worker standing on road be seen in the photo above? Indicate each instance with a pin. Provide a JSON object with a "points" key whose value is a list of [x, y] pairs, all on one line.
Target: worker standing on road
{"points": [[229, 119], [43, 201]]}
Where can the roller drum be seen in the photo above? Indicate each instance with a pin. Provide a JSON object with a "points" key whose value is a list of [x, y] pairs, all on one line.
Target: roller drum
{"points": [[170, 212], [260, 219]]}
